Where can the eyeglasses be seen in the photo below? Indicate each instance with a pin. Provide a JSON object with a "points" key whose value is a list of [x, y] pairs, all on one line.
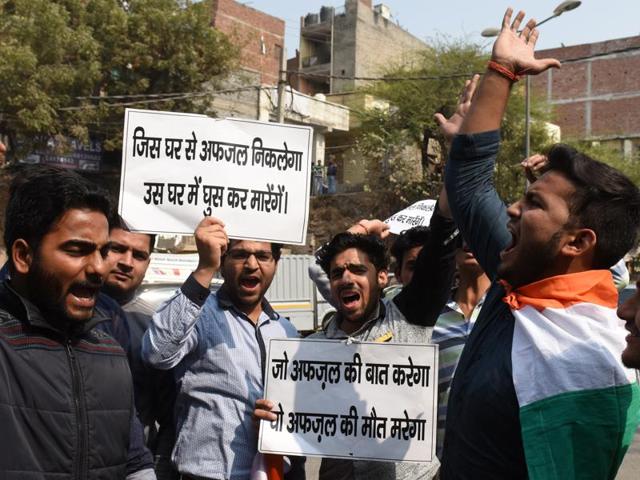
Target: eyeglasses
{"points": [[262, 256]]}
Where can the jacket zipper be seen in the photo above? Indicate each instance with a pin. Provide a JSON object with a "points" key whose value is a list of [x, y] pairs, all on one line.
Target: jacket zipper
{"points": [[79, 467]]}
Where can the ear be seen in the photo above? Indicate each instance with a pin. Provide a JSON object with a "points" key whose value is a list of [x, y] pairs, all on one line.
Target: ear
{"points": [[383, 279], [21, 256], [581, 242]]}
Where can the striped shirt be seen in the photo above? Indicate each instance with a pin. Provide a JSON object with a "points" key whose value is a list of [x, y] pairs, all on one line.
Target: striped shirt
{"points": [[451, 333], [218, 355]]}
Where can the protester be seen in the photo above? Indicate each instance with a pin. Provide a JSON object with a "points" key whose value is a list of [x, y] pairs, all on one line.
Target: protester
{"points": [[405, 250], [355, 265], [332, 173], [216, 344], [318, 178], [629, 311], [539, 391], [66, 398], [454, 326], [129, 257]]}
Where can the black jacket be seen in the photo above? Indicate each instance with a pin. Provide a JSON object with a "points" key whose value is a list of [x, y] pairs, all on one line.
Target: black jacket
{"points": [[66, 399]]}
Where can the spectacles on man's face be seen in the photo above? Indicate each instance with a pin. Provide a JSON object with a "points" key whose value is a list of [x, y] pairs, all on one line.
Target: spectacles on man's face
{"points": [[239, 255]]}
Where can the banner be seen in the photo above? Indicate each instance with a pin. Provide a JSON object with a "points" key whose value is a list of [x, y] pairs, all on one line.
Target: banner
{"points": [[177, 168], [415, 215], [375, 401]]}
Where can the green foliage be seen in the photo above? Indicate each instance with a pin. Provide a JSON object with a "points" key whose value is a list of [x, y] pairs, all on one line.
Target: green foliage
{"points": [[609, 154], [55, 52], [387, 135]]}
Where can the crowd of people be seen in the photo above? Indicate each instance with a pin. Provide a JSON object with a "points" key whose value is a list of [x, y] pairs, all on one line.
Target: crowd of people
{"points": [[536, 374]]}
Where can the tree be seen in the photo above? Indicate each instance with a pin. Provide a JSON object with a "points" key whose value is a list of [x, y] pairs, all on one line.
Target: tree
{"points": [[387, 134], [64, 61]]}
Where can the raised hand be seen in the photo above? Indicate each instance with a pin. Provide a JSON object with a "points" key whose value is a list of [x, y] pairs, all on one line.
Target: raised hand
{"points": [[370, 227], [449, 127], [211, 241], [533, 165], [515, 49]]}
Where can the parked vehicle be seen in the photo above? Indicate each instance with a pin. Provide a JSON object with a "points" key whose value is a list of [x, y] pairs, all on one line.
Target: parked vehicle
{"points": [[292, 294]]}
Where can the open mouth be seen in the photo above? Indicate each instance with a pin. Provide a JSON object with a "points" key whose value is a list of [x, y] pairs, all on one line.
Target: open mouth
{"points": [[249, 283], [84, 295], [512, 245], [350, 299]]}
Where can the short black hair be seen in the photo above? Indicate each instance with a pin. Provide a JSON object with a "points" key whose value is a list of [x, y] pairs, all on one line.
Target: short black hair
{"points": [[372, 246], [40, 195], [117, 221], [605, 201], [408, 239], [276, 249]]}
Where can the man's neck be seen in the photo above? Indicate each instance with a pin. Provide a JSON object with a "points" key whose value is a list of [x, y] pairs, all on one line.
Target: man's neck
{"points": [[471, 289], [253, 312], [351, 326]]}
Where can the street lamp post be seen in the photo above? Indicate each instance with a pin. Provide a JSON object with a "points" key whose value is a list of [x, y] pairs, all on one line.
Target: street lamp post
{"points": [[494, 32]]}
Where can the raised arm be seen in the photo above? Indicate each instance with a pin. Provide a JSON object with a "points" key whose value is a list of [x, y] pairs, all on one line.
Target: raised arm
{"points": [[172, 333], [421, 300], [477, 209]]}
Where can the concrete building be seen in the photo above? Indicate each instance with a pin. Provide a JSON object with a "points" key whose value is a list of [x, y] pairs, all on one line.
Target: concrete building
{"points": [[259, 36], [596, 93], [359, 40], [339, 49], [251, 91]]}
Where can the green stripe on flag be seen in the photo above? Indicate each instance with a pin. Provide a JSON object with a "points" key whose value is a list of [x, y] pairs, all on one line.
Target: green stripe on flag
{"points": [[582, 434]]}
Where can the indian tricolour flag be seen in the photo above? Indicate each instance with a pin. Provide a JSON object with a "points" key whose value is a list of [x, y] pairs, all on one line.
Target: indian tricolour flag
{"points": [[579, 406]]}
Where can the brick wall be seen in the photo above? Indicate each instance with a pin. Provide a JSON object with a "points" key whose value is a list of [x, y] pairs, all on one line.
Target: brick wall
{"points": [[597, 97], [259, 36]]}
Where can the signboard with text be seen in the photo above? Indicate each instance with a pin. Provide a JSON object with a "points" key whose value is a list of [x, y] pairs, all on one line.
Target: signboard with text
{"points": [[177, 168], [375, 401], [415, 215]]}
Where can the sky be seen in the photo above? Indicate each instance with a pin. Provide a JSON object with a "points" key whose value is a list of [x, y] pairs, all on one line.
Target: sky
{"points": [[593, 21]]}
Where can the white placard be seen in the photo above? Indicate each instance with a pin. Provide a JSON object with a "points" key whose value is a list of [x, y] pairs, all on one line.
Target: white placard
{"points": [[178, 167], [415, 215], [375, 401]]}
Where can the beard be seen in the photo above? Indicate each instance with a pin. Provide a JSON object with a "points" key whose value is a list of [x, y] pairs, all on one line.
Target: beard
{"points": [[45, 291], [533, 266]]}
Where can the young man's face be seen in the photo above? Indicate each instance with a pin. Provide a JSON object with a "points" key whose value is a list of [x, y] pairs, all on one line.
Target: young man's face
{"points": [[68, 270], [129, 257], [248, 269], [537, 224], [355, 284], [629, 311], [466, 261], [408, 265]]}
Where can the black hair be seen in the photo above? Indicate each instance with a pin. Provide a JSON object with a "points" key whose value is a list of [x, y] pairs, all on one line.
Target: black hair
{"points": [[276, 249], [372, 246], [605, 200], [408, 239], [40, 195], [116, 221]]}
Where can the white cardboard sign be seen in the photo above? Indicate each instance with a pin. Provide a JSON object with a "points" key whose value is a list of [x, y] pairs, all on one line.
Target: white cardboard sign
{"points": [[415, 215], [374, 401], [178, 167]]}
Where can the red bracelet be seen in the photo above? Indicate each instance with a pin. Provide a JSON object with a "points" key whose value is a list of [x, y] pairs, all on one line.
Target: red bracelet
{"points": [[504, 71]]}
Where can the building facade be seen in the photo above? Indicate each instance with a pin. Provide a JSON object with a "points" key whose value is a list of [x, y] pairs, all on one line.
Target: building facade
{"points": [[596, 93]]}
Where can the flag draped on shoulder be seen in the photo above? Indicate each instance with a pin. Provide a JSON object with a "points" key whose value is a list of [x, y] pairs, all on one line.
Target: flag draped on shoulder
{"points": [[578, 404]]}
